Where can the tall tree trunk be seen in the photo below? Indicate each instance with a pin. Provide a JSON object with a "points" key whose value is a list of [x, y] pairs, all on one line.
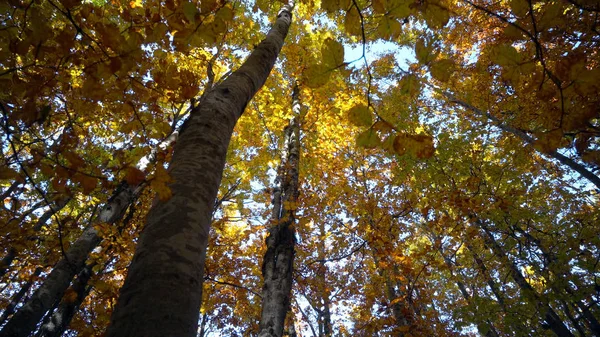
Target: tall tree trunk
{"points": [[278, 261], [163, 289], [551, 318], [16, 299]]}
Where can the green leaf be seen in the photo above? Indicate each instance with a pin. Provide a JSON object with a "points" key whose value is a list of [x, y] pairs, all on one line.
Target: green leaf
{"points": [[316, 75], [436, 17], [332, 52], [389, 28], [359, 115], [424, 51], [368, 139], [189, 10], [442, 70], [410, 85]]}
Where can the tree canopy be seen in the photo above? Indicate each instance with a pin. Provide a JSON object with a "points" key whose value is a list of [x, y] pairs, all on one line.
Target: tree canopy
{"points": [[448, 173]]}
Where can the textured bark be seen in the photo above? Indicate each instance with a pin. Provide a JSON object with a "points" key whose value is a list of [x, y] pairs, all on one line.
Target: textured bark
{"points": [[584, 172], [163, 289], [279, 258], [16, 299], [25, 320], [60, 319], [551, 318]]}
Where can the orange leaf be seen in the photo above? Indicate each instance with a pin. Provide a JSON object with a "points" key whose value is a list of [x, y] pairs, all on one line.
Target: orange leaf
{"points": [[134, 177]]}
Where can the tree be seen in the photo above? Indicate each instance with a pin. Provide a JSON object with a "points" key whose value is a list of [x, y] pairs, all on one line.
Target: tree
{"points": [[421, 121], [178, 227], [278, 262]]}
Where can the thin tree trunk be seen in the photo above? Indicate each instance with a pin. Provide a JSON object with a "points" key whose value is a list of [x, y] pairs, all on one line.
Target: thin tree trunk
{"points": [[278, 261], [490, 282], [323, 296], [202, 332], [551, 318], [584, 172], [16, 299], [60, 319], [163, 289]]}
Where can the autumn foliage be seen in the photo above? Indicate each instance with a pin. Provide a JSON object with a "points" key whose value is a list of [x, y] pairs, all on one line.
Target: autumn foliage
{"points": [[448, 181]]}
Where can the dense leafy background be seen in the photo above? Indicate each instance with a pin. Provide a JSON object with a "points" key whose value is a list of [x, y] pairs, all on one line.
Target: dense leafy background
{"points": [[431, 170]]}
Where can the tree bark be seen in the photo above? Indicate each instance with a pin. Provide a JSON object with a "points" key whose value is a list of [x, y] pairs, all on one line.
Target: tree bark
{"points": [[278, 261], [163, 289]]}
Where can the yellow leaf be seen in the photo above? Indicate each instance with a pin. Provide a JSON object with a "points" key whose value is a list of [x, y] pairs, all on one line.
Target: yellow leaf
{"points": [[359, 115], [352, 22], [135, 3], [332, 52], [332, 6]]}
